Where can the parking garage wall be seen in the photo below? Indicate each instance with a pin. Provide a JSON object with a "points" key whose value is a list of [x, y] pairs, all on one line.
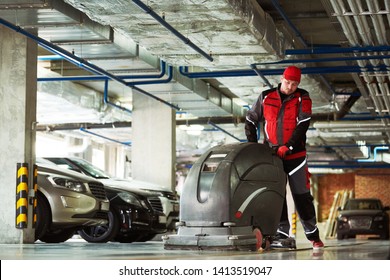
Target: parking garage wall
{"points": [[374, 184], [328, 186], [363, 183]]}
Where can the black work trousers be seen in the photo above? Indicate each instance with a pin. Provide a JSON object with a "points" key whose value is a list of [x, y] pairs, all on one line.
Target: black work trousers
{"points": [[299, 180]]}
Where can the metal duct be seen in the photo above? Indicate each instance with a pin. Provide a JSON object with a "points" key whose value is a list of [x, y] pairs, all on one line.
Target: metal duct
{"points": [[354, 13]]}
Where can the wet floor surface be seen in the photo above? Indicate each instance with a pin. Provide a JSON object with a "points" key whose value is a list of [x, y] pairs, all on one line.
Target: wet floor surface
{"points": [[76, 249]]}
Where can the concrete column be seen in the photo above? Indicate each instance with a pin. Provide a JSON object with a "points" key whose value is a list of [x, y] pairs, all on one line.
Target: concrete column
{"points": [[153, 141], [18, 95]]}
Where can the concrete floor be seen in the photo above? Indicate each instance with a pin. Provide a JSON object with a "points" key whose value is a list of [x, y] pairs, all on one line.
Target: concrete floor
{"points": [[77, 259], [78, 249]]}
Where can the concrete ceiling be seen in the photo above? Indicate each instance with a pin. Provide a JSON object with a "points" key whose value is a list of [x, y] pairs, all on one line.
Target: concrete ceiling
{"points": [[209, 60]]}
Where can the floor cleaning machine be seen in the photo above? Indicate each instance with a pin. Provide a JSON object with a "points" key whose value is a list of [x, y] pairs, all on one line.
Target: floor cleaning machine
{"points": [[229, 191]]}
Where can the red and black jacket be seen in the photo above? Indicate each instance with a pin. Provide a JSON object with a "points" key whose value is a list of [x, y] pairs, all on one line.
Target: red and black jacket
{"points": [[285, 121]]}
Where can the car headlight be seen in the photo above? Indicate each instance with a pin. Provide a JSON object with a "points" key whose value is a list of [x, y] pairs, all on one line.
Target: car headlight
{"points": [[132, 199], [70, 184]]}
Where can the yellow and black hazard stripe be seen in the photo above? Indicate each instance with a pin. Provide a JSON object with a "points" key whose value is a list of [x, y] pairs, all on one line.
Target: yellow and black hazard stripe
{"points": [[34, 199], [294, 223], [21, 195]]}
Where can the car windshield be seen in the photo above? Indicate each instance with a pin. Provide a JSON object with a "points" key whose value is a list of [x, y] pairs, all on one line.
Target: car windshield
{"points": [[91, 169], [362, 205]]}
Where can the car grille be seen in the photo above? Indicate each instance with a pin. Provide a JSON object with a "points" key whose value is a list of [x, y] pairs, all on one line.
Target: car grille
{"points": [[98, 190], [360, 223], [155, 202]]}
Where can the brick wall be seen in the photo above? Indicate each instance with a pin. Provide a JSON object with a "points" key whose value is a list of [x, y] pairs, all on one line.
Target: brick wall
{"points": [[364, 183], [373, 183], [328, 185]]}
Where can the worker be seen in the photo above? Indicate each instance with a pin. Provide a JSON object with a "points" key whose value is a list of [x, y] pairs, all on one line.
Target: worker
{"points": [[285, 112]]}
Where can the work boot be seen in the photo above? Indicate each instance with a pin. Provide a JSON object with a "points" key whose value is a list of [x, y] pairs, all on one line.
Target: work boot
{"points": [[317, 244], [280, 241]]}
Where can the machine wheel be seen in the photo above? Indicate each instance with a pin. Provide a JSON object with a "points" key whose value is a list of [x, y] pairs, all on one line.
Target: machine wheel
{"points": [[259, 239], [101, 233], [57, 236]]}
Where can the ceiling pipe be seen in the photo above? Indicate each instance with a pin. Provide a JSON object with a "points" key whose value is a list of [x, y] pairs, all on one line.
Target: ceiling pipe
{"points": [[270, 72], [292, 26], [162, 21], [363, 117], [300, 37], [226, 132], [378, 90], [336, 50], [73, 126], [344, 110], [374, 158], [261, 75], [104, 137], [106, 101], [77, 126], [327, 59], [104, 78], [216, 74], [159, 81], [346, 23], [346, 125], [79, 61]]}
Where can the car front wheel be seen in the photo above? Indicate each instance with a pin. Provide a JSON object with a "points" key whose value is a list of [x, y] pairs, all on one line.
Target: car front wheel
{"points": [[103, 233]]}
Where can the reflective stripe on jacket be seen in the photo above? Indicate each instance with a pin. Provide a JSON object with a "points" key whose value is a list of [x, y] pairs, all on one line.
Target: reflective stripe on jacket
{"points": [[285, 122]]}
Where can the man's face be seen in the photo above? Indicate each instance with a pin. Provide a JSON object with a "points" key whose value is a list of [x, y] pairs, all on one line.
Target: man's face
{"points": [[288, 87]]}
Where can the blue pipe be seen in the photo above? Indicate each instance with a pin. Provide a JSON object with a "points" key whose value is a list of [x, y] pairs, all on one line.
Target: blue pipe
{"points": [[104, 137], [103, 77], [224, 131], [337, 50], [77, 61], [299, 35], [292, 26], [150, 82], [110, 103], [361, 117], [217, 74], [49, 57], [162, 21], [261, 75], [270, 72], [376, 149]]}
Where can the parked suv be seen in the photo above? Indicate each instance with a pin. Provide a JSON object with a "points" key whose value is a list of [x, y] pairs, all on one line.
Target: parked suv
{"points": [[169, 200], [363, 216], [66, 202]]}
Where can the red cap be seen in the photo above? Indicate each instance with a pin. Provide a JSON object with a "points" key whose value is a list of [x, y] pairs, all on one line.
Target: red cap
{"points": [[292, 73]]}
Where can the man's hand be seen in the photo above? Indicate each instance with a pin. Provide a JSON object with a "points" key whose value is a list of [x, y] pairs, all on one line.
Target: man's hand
{"points": [[282, 151]]}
